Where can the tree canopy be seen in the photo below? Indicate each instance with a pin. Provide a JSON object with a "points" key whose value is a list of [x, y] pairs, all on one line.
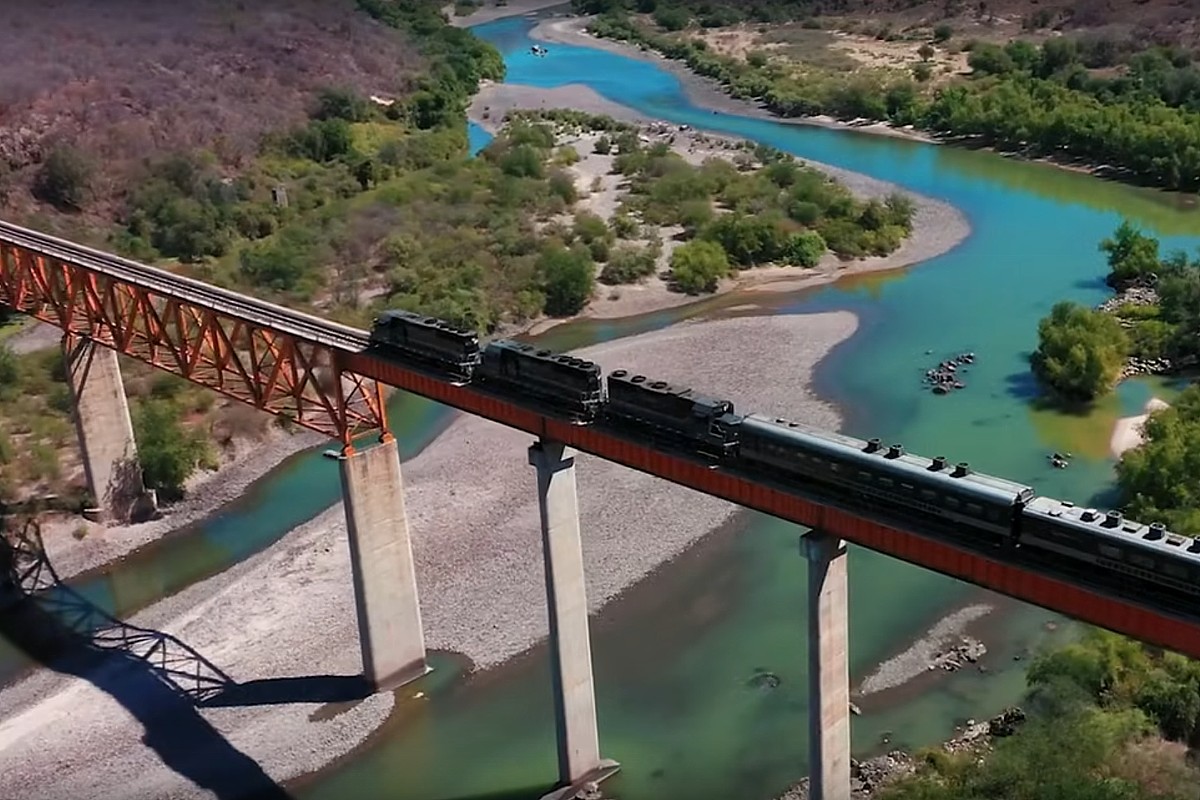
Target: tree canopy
{"points": [[1131, 255], [1080, 352], [697, 266], [1161, 478], [1042, 100]]}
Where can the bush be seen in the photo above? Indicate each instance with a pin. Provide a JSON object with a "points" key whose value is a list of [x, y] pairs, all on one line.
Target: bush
{"points": [[804, 249], [64, 179], [167, 451], [1131, 254], [1080, 351], [698, 266], [568, 279], [628, 263], [341, 104]]}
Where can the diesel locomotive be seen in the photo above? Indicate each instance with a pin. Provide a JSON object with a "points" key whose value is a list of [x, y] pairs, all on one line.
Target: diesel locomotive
{"points": [[929, 496]]}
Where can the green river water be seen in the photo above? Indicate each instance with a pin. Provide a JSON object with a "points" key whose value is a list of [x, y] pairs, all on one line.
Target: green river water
{"points": [[675, 654]]}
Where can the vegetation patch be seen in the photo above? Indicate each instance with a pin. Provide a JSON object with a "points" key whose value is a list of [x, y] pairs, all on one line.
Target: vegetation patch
{"points": [[1130, 110]]}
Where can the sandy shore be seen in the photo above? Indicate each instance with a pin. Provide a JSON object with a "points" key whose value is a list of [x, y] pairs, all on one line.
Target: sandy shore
{"points": [[207, 492], [937, 226], [490, 12], [702, 91], [1127, 433], [289, 611]]}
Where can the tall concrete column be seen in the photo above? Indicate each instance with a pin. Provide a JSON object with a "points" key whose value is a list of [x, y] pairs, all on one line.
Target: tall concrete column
{"points": [[104, 427], [828, 668], [579, 759], [381, 560]]}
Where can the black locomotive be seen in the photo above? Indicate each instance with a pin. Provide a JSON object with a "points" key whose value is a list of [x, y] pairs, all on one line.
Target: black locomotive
{"points": [[672, 415], [928, 496], [557, 381], [428, 341]]}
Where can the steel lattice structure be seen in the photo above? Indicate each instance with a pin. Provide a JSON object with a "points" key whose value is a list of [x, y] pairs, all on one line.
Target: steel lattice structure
{"points": [[243, 348]]}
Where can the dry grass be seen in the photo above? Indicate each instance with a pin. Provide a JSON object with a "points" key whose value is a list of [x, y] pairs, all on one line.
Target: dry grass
{"points": [[1162, 21], [1160, 767], [124, 80]]}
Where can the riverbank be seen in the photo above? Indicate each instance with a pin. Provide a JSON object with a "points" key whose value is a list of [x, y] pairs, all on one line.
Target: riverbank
{"points": [[702, 91], [76, 546], [1127, 433], [937, 226], [289, 611], [709, 93], [491, 13]]}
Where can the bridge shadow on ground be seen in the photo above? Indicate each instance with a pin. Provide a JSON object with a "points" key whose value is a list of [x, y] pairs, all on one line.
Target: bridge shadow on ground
{"points": [[158, 679]]}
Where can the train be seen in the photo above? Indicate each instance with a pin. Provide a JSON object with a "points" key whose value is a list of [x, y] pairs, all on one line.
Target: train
{"points": [[931, 497]]}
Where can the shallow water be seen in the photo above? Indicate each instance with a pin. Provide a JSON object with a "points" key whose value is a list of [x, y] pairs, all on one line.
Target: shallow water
{"points": [[674, 656]]}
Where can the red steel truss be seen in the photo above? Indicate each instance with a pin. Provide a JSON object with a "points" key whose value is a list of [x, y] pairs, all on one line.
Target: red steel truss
{"points": [[249, 361]]}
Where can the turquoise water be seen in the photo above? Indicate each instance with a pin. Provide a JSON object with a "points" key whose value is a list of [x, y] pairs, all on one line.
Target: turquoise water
{"points": [[477, 138], [674, 655]]}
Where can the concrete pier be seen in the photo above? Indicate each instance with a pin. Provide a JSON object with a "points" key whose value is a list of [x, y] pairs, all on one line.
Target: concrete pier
{"points": [[381, 559], [105, 429], [828, 668], [579, 761]]}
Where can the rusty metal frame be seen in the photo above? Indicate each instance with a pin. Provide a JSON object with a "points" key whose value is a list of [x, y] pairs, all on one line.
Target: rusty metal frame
{"points": [[277, 372]]}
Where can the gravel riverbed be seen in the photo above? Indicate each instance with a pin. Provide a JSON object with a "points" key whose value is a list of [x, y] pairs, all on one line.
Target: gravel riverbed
{"points": [[289, 612]]}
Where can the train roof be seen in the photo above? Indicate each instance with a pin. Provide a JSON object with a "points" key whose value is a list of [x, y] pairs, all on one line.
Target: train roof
{"points": [[423, 319], [626, 376], [533, 351], [1114, 525], [931, 473]]}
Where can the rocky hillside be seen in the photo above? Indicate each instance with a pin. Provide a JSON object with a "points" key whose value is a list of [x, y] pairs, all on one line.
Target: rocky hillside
{"points": [[127, 80]]}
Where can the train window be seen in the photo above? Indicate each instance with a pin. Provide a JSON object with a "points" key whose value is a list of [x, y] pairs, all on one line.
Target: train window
{"points": [[951, 502], [1110, 552], [908, 487], [834, 467], [975, 508], [886, 481], [929, 494]]}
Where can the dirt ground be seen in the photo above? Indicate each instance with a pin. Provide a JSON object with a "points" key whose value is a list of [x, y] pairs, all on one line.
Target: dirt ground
{"points": [[887, 34], [129, 80]]}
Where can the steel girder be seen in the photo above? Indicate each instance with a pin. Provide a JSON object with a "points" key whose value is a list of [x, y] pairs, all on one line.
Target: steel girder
{"points": [[278, 372]]}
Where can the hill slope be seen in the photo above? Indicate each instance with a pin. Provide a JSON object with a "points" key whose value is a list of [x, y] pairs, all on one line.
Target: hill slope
{"points": [[126, 80]]}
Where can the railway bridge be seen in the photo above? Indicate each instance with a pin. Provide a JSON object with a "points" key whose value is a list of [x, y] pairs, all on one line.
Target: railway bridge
{"points": [[322, 375]]}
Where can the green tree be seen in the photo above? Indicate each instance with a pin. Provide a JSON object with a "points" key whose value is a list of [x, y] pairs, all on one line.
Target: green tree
{"points": [[1160, 480], [1131, 254], [699, 265], [926, 51], [746, 239], [1080, 352], [168, 452], [804, 249], [568, 280], [64, 179], [344, 104]]}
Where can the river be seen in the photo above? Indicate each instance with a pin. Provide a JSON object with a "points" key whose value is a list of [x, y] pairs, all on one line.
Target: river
{"points": [[676, 654]]}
